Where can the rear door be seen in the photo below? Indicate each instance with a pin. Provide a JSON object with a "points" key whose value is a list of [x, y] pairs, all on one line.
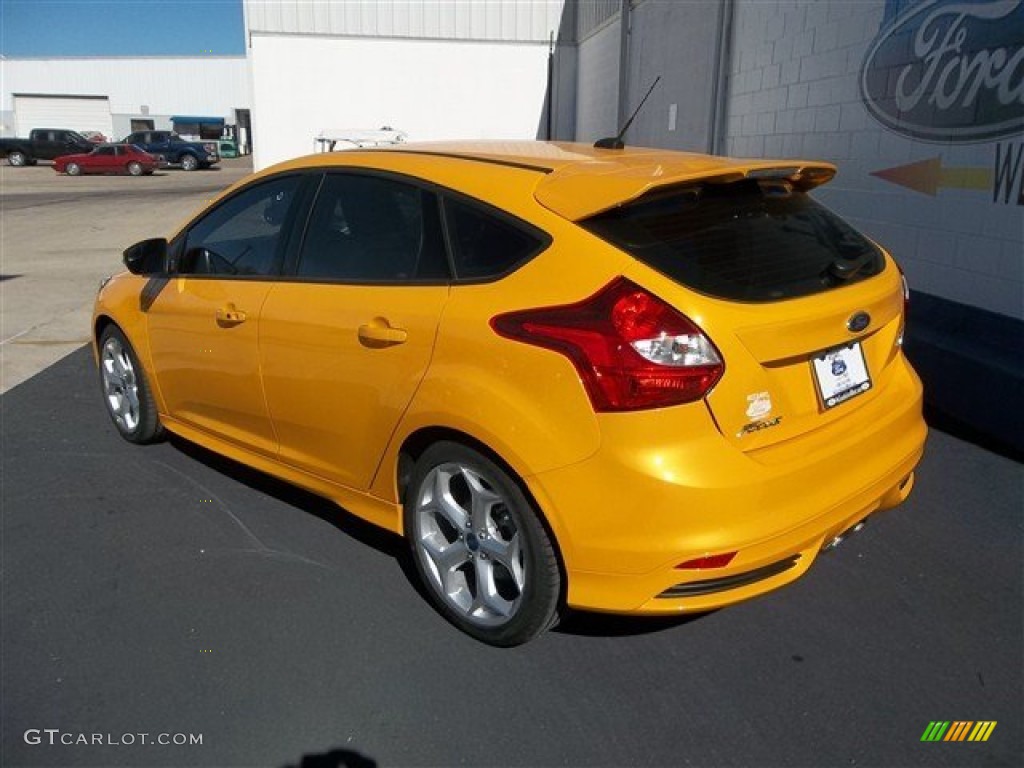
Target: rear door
{"points": [[805, 311], [345, 343]]}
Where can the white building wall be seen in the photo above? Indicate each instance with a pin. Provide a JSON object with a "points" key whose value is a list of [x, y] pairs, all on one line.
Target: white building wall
{"points": [[157, 87], [507, 20], [431, 89], [795, 92]]}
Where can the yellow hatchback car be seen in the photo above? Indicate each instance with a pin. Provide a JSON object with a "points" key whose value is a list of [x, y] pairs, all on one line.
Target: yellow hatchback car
{"points": [[622, 380]]}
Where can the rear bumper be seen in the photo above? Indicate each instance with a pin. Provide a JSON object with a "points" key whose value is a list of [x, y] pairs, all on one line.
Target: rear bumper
{"points": [[631, 513]]}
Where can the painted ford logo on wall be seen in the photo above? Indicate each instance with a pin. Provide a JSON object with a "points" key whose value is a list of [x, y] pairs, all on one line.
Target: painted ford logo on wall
{"points": [[949, 70]]}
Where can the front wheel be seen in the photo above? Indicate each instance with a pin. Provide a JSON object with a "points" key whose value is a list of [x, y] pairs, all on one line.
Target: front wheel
{"points": [[134, 169], [17, 159], [126, 392], [479, 547], [189, 163], [72, 169]]}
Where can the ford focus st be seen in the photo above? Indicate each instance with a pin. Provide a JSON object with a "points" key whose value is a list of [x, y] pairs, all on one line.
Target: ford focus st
{"points": [[627, 380]]}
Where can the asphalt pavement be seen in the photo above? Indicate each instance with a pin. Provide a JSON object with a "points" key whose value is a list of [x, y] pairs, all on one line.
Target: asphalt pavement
{"points": [[164, 591]]}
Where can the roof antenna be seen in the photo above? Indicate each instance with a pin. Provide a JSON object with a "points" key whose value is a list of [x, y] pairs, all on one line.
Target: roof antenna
{"points": [[616, 142]]}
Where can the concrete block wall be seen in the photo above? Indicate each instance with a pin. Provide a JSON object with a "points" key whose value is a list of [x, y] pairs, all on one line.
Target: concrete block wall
{"points": [[794, 91], [597, 85]]}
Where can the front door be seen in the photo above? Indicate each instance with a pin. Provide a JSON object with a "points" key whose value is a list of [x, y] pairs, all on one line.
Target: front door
{"points": [[204, 323]]}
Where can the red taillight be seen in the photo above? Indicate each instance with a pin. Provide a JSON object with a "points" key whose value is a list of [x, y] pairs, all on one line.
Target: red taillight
{"points": [[630, 348], [706, 562]]}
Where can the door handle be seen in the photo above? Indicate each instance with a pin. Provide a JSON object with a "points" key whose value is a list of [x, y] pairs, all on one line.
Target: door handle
{"points": [[379, 333], [230, 315]]}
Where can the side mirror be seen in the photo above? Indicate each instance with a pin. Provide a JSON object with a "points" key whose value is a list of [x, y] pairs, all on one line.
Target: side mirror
{"points": [[148, 257]]}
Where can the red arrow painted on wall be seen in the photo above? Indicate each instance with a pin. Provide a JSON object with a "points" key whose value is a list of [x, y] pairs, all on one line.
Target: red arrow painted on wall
{"points": [[928, 176]]}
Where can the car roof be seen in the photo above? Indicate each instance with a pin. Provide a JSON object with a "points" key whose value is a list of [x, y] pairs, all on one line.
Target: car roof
{"points": [[577, 180]]}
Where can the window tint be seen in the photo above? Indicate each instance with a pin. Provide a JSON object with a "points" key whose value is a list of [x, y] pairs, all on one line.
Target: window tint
{"points": [[103, 151], [484, 244], [747, 241], [242, 236], [374, 229]]}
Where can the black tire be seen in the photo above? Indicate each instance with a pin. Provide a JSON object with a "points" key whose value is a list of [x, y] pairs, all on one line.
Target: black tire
{"points": [[500, 542], [72, 169], [17, 158], [134, 169], [126, 392], [189, 162]]}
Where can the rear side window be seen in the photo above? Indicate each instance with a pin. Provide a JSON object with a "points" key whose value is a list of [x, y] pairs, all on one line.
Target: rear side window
{"points": [[486, 245], [745, 241], [373, 229]]}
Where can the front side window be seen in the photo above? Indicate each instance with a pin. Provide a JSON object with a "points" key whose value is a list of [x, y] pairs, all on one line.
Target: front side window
{"points": [[373, 229], [750, 240], [104, 151], [243, 235]]}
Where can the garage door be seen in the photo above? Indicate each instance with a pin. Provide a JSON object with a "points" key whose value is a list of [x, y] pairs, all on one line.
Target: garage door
{"points": [[78, 113]]}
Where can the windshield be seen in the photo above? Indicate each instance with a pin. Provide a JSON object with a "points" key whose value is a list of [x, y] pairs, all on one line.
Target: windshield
{"points": [[751, 240]]}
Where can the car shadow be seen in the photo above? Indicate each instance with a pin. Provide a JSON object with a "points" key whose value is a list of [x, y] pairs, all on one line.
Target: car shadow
{"points": [[318, 506], [573, 622], [336, 758], [588, 624]]}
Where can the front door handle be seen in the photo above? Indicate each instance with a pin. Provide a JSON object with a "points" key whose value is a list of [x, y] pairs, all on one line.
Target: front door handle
{"points": [[379, 333], [230, 315]]}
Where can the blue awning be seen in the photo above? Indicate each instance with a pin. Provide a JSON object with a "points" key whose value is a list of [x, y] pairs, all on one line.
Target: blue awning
{"points": [[199, 120]]}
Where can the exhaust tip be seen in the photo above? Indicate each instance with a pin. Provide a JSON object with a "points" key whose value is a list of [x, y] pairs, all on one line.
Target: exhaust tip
{"points": [[840, 538]]}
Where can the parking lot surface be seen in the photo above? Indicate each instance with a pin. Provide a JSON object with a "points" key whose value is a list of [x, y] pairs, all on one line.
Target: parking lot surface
{"points": [[165, 591], [60, 235]]}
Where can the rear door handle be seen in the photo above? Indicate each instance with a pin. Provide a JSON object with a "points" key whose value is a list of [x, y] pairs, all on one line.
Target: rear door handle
{"points": [[230, 315], [379, 333]]}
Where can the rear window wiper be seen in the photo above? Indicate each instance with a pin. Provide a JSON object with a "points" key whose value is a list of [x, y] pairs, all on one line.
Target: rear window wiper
{"points": [[843, 269]]}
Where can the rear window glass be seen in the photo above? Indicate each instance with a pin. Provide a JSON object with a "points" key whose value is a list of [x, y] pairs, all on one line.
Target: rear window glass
{"points": [[746, 241]]}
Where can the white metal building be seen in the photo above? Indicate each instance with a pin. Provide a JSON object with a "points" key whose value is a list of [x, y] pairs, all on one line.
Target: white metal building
{"points": [[435, 69], [118, 95]]}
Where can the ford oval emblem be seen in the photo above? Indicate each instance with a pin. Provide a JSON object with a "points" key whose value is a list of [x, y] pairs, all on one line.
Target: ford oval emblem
{"points": [[858, 322], [947, 70]]}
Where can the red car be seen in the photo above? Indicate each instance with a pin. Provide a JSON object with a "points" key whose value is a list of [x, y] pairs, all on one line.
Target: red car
{"points": [[108, 158]]}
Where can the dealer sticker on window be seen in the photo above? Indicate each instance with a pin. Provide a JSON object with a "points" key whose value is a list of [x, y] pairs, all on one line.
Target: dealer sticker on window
{"points": [[840, 374]]}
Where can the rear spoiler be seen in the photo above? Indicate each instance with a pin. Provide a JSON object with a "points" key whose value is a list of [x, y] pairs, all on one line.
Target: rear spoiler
{"points": [[571, 191]]}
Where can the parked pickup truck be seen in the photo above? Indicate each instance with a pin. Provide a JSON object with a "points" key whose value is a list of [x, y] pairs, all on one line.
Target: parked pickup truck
{"points": [[175, 150], [44, 144]]}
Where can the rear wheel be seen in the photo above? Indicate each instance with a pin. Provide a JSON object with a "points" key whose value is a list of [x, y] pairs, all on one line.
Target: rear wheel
{"points": [[72, 169], [134, 169], [17, 158], [479, 547], [126, 392], [189, 162]]}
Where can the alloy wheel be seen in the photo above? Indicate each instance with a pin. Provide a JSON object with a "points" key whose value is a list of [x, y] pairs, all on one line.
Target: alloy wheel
{"points": [[468, 539], [120, 386]]}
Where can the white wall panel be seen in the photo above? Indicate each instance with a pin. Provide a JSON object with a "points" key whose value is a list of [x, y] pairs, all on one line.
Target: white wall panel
{"points": [[433, 89], [509, 20], [199, 86]]}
